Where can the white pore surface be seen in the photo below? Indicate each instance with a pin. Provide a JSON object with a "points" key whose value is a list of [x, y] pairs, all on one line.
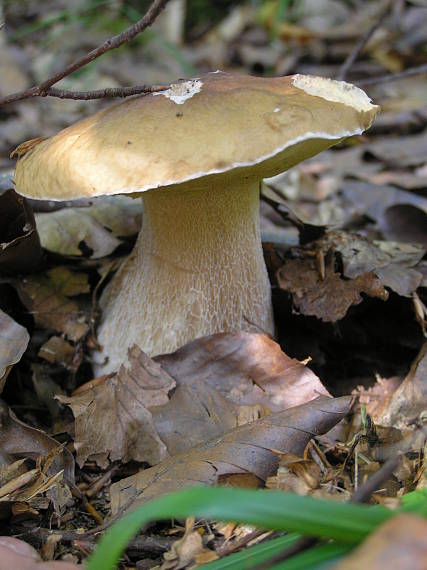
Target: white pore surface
{"points": [[331, 90], [180, 92]]}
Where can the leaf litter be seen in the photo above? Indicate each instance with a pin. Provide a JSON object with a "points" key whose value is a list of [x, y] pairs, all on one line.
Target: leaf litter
{"points": [[350, 223]]}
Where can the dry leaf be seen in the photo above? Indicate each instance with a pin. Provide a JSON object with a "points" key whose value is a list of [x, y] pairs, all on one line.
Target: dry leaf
{"points": [[97, 226], [187, 549], [112, 419], [409, 400], [246, 368], [194, 414], [405, 151], [246, 449], [14, 340], [222, 381], [58, 350], [46, 298], [327, 298], [19, 439]]}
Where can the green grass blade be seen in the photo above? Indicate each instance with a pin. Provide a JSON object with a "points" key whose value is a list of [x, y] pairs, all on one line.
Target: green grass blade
{"points": [[415, 502], [253, 556], [265, 509], [314, 557]]}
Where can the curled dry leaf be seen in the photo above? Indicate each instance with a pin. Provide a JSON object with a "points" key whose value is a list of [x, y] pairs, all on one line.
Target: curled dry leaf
{"points": [[246, 368], [187, 549], [391, 262], [409, 399], [21, 440], [405, 151], [398, 544], [404, 222], [113, 420], [19, 242], [222, 381], [58, 351], [47, 298], [326, 297], [97, 226], [400, 215], [246, 449], [14, 340]]}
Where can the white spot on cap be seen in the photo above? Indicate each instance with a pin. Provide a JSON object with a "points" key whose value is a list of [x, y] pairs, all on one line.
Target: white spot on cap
{"points": [[180, 92], [276, 110], [332, 90]]}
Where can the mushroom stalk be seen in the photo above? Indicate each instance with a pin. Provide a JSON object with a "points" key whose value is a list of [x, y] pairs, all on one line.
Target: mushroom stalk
{"points": [[197, 269]]}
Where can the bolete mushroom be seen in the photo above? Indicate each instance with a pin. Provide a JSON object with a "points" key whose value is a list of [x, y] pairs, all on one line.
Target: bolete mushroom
{"points": [[196, 153]]}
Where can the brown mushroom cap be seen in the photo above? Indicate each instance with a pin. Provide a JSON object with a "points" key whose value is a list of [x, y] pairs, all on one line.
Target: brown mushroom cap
{"points": [[216, 124]]}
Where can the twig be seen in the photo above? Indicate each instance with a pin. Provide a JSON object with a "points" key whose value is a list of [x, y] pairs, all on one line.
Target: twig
{"points": [[106, 93], [355, 52], [362, 495], [394, 76], [44, 89]]}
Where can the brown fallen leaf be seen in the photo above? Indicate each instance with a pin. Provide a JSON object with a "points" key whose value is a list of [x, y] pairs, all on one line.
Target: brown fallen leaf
{"points": [[409, 399], [222, 381], [19, 241], [404, 222], [47, 297], [405, 151], [388, 205], [14, 340], [21, 440], [194, 414], [328, 298], [246, 368], [187, 549], [113, 420], [246, 449], [393, 263], [377, 398], [398, 544], [58, 351]]}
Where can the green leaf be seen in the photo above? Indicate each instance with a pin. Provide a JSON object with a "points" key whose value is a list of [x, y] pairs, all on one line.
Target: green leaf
{"points": [[265, 509], [254, 556], [314, 558]]}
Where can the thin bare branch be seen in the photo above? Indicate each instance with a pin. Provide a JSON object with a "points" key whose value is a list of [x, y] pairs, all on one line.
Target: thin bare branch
{"points": [[106, 93], [355, 52], [418, 70], [45, 88]]}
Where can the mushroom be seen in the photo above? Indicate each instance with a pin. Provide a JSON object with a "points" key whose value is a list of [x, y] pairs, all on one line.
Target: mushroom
{"points": [[196, 153]]}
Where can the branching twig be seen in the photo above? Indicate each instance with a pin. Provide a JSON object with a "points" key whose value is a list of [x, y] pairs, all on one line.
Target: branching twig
{"points": [[362, 495], [418, 70], [45, 88], [355, 52]]}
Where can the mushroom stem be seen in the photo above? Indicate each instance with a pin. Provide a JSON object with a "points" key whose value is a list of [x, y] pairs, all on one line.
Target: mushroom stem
{"points": [[197, 269]]}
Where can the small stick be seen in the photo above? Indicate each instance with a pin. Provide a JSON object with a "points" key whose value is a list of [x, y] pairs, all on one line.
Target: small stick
{"points": [[44, 88], [106, 93], [355, 52], [418, 70], [362, 495], [364, 492]]}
